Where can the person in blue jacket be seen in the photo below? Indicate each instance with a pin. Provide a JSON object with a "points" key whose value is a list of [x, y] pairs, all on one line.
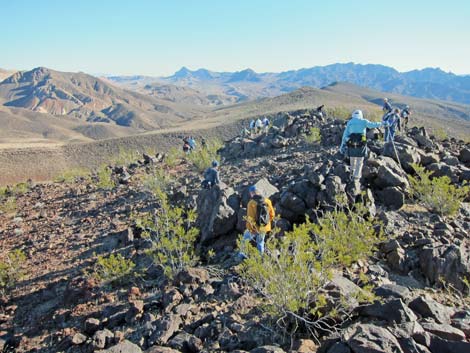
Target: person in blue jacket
{"points": [[354, 142]]}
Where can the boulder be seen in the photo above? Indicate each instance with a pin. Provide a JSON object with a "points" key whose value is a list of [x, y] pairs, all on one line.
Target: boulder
{"points": [[439, 345], [292, 206], [448, 263], [368, 338], [216, 213], [388, 173], [392, 290], [102, 338], [444, 331], [122, 347], [442, 169], [392, 197], [464, 155], [165, 328], [393, 310], [79, 338], [427, 307], [186, 342], [265, 188], [91, 325]]}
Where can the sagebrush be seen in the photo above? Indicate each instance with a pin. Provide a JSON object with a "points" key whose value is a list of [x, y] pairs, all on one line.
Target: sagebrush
{"points": [[202, 157], [11, 269], [173, 235], [438, 195], [113, 269]]}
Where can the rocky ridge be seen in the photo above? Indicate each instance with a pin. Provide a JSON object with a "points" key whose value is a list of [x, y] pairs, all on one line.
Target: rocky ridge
{"points": [[62, 227]]}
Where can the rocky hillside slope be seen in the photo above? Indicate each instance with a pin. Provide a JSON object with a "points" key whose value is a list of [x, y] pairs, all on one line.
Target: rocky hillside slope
{"points": [[78, 95], [418, 272]]}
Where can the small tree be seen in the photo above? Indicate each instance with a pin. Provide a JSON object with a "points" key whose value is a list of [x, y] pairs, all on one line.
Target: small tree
{"points": [[10, 269], [202, 157], [313, 135], [173, 235], [293, 277], [114, 268], [105, 181], [437, 194]]}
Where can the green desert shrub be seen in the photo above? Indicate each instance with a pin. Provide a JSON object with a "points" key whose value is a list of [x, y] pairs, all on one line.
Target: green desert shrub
{"points": [[202, 157], [173, 235], [105, 180], [339, 112], [296, 268], [313, 136], [124, 157], [438, 195], [173, 157], [11, 269], [155, 181], [113, 269], [8, 204], [70, 175]]}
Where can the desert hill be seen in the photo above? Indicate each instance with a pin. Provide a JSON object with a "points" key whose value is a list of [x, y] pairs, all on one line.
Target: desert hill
{"points": [[87, 98], [5, 73]]}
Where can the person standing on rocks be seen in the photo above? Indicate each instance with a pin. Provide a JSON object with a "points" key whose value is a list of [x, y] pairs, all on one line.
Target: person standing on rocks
{"points": [[211, 176], [405, 115], [354, 142], [252, 126], [258, 125], [392, 122], [259, 216], [266, 125], [387, 108]]}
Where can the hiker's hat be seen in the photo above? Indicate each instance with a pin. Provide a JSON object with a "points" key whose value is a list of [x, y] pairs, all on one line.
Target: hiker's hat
{"points": [[252, 188], [215, 163]]}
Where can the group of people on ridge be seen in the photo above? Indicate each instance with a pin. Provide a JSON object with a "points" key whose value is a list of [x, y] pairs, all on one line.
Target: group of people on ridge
{"points": [[260, 211], [257, 126]]}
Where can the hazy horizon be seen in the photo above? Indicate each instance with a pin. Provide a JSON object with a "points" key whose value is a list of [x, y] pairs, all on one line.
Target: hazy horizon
{"points": [[157, 38]]}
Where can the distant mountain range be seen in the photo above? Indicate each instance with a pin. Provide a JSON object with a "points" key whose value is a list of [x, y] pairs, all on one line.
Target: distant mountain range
{"points": [[247, 84], [44, 106]]}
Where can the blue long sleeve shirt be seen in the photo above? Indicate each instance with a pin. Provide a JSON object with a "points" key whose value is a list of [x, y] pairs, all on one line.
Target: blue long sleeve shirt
{"points": [[357, 126]]}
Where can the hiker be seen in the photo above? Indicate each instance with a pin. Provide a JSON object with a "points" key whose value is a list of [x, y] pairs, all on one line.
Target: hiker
{"points": [[211, 176], [252, 126], [391, 122], [186, 146], [260, 214], [387, 108], [192, 143], [266, 125], [203, 143], [258, 125], [354, 141], [405, 115]]}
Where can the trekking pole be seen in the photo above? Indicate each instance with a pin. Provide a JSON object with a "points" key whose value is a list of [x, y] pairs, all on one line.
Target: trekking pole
{"points": [[394, 149]]}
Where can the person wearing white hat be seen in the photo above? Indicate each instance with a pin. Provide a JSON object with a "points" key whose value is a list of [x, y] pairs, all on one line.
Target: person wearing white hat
{"points": [[354, 142]]}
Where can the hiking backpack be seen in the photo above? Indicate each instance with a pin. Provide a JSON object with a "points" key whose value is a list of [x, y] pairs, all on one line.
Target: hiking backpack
{"points": [[262, 212]]}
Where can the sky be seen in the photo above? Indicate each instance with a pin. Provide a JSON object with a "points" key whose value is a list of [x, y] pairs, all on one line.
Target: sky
{"points": [[157, 37]]}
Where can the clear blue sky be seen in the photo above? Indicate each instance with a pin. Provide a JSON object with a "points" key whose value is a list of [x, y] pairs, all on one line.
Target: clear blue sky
{"points": [[157, 37]]}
